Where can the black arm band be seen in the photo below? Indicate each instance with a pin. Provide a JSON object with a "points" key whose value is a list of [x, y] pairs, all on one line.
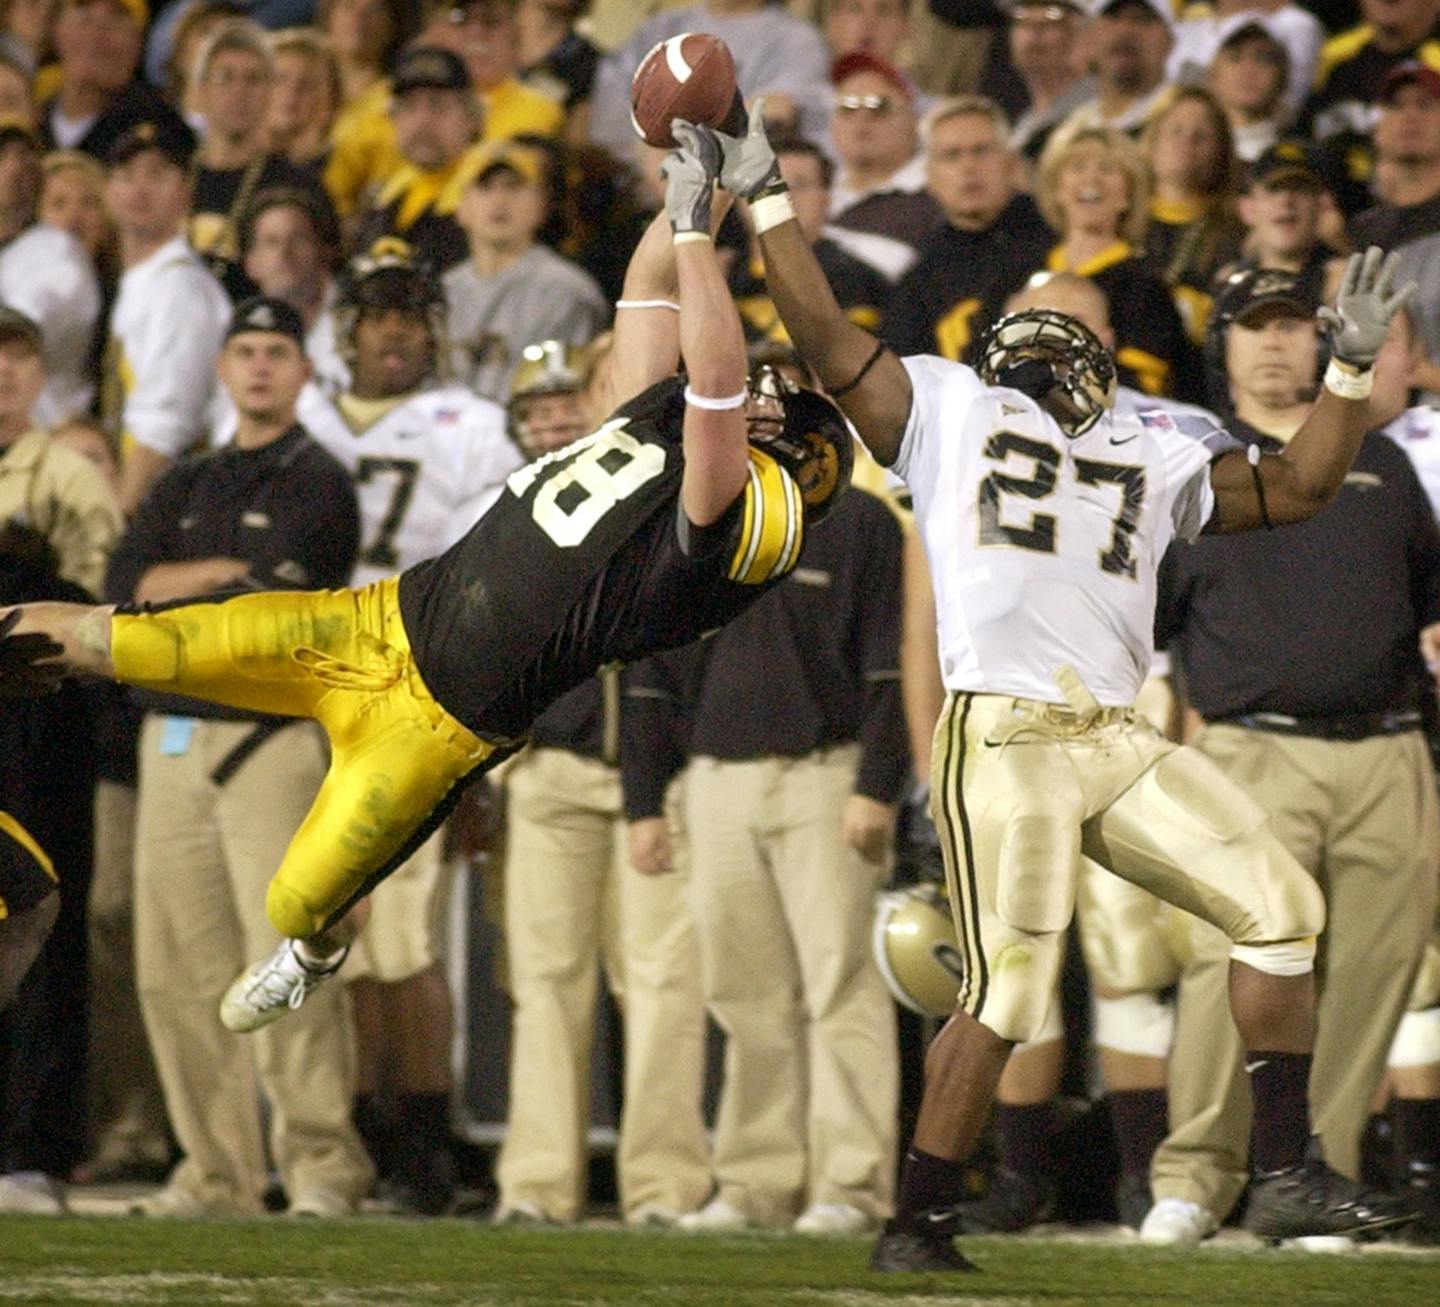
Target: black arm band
{"points": [[859, 376], [1253, 458]]}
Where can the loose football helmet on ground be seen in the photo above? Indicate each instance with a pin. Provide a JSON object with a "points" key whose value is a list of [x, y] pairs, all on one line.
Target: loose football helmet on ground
{"points": [[915, 948], [1056, 360]]}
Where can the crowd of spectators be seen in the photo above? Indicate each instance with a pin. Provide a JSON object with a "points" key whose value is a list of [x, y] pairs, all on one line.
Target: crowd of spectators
{"points": [[445, 193]]}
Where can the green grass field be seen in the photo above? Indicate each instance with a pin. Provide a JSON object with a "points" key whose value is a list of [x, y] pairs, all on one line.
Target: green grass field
{"points": [[388, 1263]]}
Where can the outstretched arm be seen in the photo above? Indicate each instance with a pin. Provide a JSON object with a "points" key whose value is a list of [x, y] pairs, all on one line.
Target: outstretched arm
{"points": [[41, 643], [865, 379], [1274, 490], [711, 339]]}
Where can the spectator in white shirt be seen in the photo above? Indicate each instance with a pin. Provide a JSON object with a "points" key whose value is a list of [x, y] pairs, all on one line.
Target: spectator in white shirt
{"points": [[170, 314]]}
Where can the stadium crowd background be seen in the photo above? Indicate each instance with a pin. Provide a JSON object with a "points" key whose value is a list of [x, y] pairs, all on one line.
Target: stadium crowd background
{"points": [[447, 193]]}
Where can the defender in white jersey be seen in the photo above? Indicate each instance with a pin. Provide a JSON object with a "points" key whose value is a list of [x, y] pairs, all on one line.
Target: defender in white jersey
{"points": [[427, 460], [1044, 520]]}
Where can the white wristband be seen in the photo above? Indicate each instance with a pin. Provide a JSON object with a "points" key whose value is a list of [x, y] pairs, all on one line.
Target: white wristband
{"points": [[648, 304], [715, 404], [771, 210], [687, 237], [1347, 383]]}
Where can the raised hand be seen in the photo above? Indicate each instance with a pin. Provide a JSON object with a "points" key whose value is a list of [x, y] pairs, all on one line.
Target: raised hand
{"points": [[690, 174], [749, 165], [1364, 307]]}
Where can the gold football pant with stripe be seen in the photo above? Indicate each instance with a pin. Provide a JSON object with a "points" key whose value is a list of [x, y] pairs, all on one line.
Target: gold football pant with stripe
{"points": [[343, 658], [1022, 788]]}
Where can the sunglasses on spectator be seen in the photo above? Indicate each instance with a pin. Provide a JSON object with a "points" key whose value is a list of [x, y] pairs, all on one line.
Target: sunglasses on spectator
{"points": [[872, 103]]}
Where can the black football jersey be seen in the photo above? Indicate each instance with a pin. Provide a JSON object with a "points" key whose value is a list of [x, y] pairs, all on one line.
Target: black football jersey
{"points": [[587, 559]]}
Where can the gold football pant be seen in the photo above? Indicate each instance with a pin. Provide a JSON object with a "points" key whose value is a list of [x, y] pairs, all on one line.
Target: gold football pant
{"points": [[342, 657]]}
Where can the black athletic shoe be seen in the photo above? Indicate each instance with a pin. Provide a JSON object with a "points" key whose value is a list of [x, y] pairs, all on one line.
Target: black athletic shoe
{"points": [[1015, 1202], [425, 1183], [931, 1247], [1422, 1191], [1312, 1199], [1133, 1200]]}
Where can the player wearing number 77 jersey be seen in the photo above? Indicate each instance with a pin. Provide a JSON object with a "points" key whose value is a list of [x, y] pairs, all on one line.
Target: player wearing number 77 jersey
{"points": [[678, 512], [1045, 515]]}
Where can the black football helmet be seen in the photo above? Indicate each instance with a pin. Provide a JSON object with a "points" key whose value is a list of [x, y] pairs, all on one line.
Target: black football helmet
{"points": [[812, 443], [389, 275], [1056, 360]]}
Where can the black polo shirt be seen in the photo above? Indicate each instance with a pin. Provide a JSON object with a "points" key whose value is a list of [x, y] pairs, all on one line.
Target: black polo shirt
{"points": [[1320, 619], [288, 509]]}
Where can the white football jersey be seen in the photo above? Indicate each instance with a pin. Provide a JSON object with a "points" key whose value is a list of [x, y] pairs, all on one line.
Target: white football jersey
{"points": [[1044, 549], [1417, 432], [424, 473]]}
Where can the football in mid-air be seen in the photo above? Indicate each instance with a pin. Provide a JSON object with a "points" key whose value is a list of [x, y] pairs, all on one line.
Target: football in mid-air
{"points": [[691, 76]]}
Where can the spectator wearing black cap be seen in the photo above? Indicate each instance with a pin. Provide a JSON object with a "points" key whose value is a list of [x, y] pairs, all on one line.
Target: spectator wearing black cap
{"points": [[1130, 40], [47, 274], [1282, 209], [169, 315], [1407, 161], [437, 118], [1301, 650], [879, 186], [221, 793], [512, 290], [992, 238], [484, 35], [1248, 74], [99, 96]]}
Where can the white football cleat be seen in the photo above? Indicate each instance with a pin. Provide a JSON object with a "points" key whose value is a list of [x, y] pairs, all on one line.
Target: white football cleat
{"points": [[1177, 1223], [716, 1217], [268, 989], [834, 1218]]}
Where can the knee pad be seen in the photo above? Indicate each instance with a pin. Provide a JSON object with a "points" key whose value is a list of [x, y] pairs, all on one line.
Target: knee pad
{"points": [[1417, 1040], [1039, 861], [145, 648], [1293, 957], [1020, 985], [1125, 934], [290, 914], [1051, 1029], [1137, 1023]]}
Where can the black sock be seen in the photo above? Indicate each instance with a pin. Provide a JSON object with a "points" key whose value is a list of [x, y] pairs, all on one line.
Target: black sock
{"points": [[1138, 1117], [376, 1127], [1279, 1084], [1416, 1122], [1022, 1138], [426, 1120], [927, 1181]]}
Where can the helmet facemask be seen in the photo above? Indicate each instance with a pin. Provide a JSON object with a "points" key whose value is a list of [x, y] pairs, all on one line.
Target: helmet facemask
{"points": [[1056, 360], [805, 433]]}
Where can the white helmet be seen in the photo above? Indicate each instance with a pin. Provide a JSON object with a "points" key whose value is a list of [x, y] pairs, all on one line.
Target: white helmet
{"points": [[915, 948]]}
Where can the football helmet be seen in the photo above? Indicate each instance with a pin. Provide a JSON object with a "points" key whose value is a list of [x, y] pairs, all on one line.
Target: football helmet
{"points": [[812, 443], [389, 275], [548, 367], [915, 948], [1056, 360]]}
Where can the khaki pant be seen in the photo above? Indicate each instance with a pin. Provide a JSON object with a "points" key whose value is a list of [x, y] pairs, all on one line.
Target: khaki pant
{"points": [[203, 856], [784, 910], [1022, 788], [1362, 819], [409, 910], [573, 902], [127, 1108]]}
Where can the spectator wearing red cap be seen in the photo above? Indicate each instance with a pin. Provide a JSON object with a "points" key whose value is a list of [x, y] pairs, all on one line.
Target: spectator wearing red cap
{"points": [[880, 184], [1407, 161]]}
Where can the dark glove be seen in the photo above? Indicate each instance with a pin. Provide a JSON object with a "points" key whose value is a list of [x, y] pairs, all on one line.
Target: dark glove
{"points": [[24, 671]]}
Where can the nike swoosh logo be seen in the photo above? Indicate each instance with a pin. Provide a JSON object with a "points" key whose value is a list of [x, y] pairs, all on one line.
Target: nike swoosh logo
{"points": [[1253, 1067], [1126, 441]]}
